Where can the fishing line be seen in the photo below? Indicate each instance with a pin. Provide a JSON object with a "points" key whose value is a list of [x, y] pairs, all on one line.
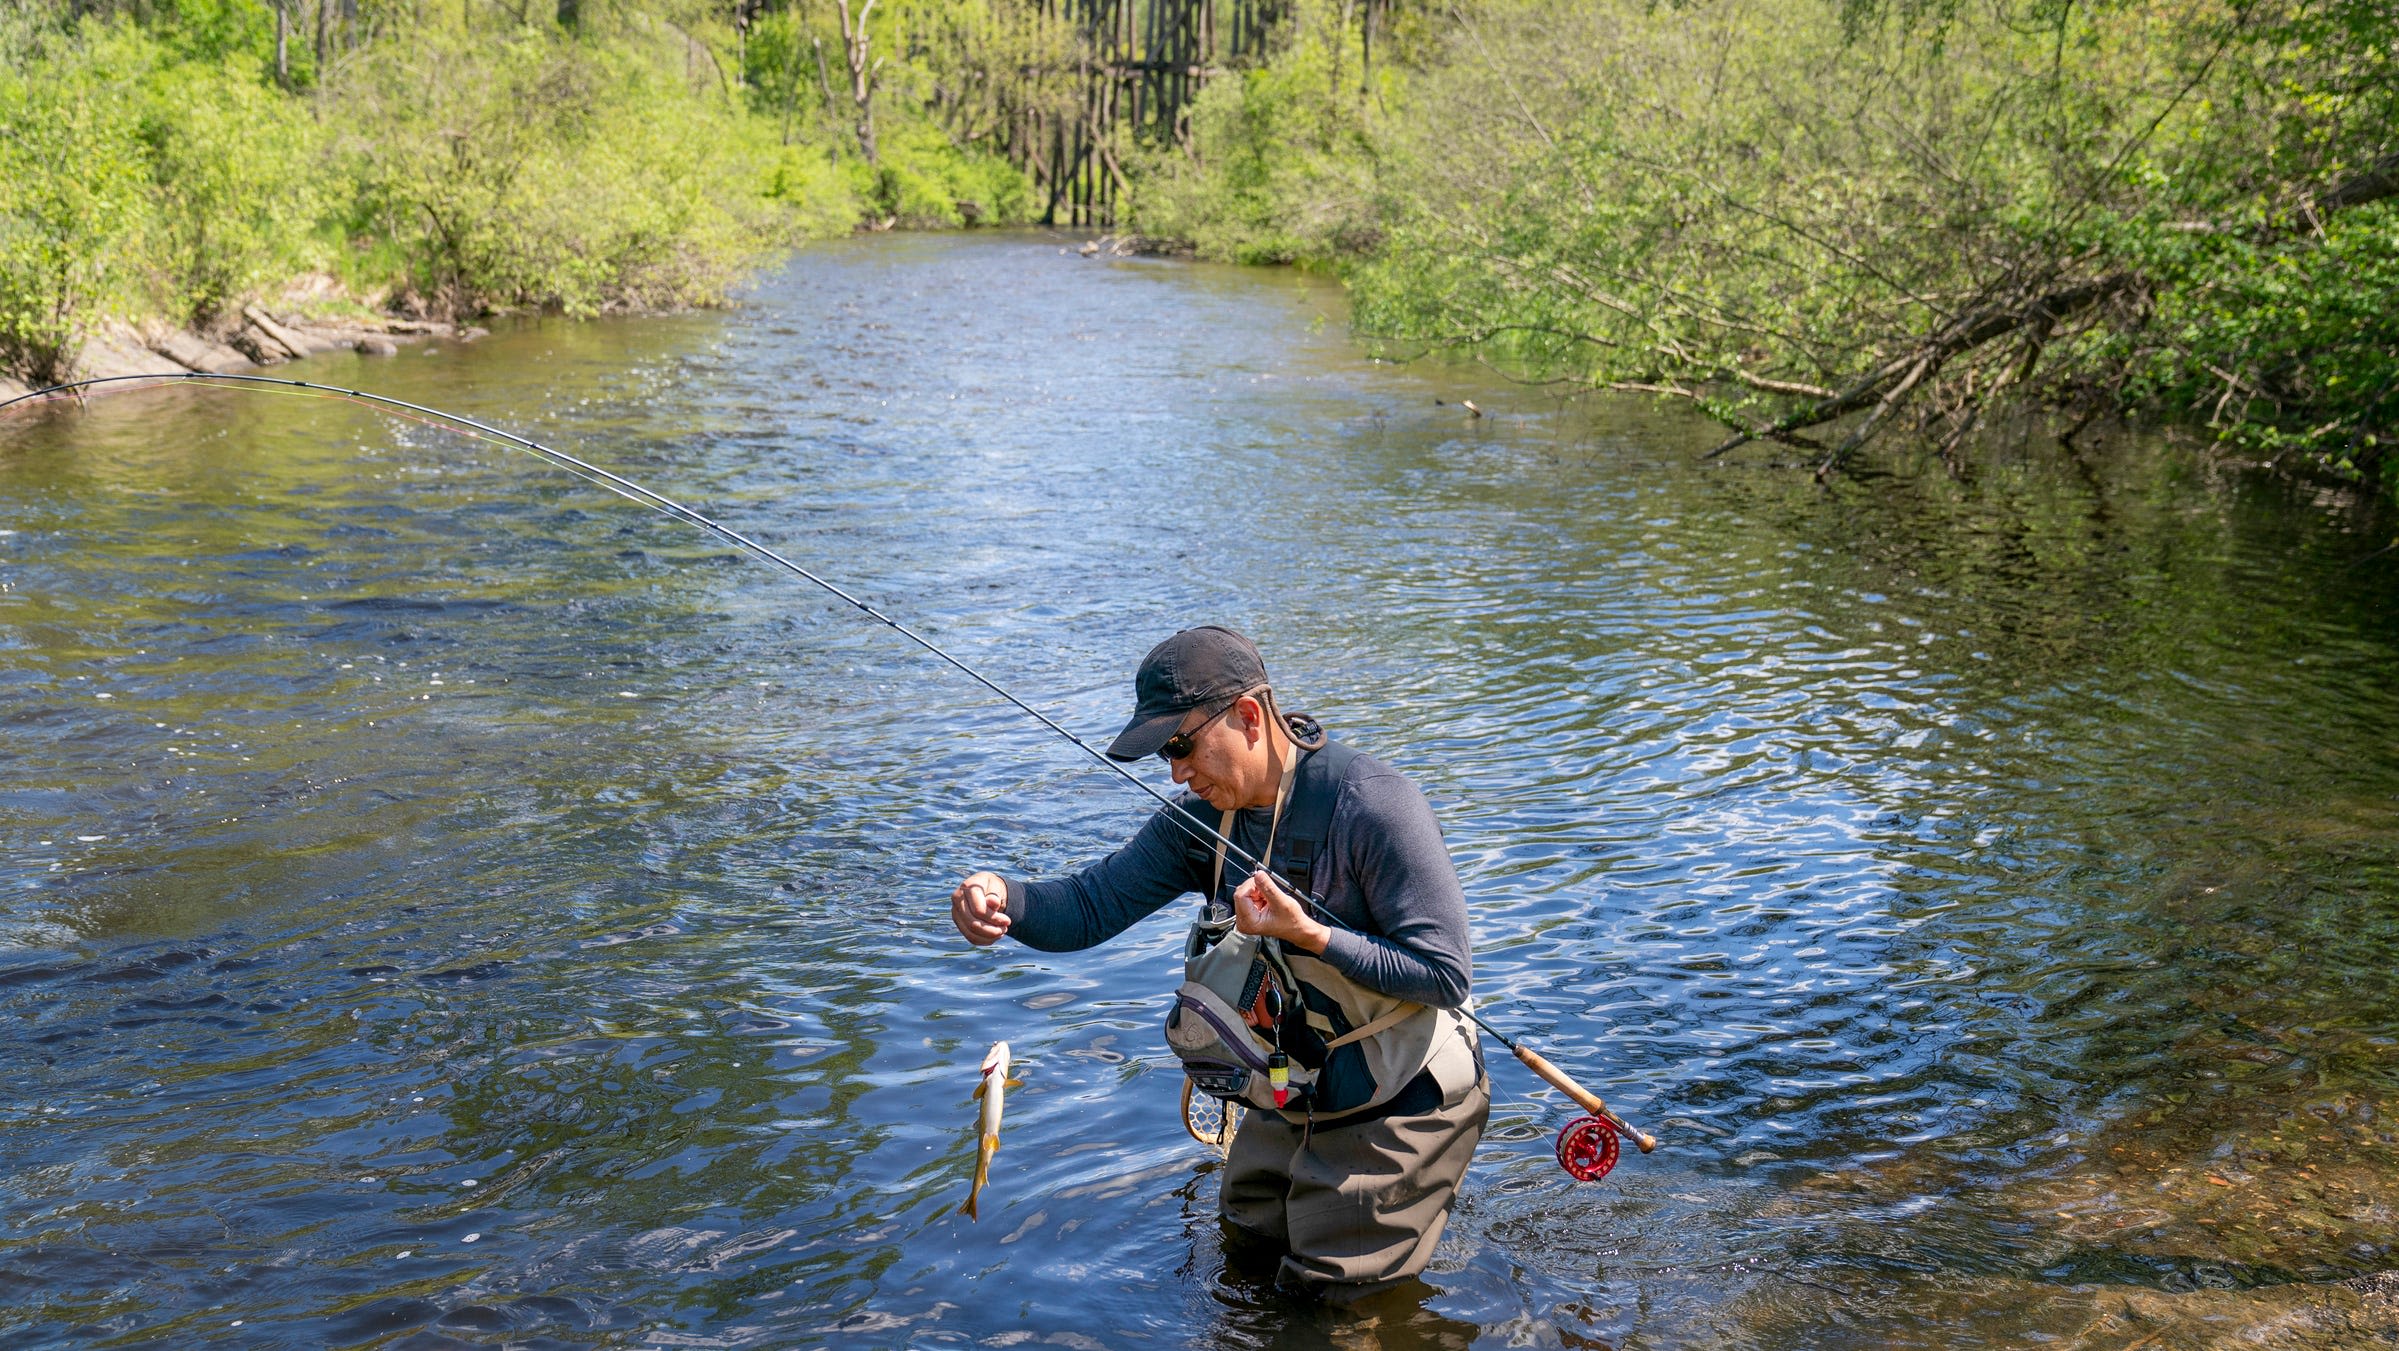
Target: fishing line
{"points": [[659, 502], [622, 487]]}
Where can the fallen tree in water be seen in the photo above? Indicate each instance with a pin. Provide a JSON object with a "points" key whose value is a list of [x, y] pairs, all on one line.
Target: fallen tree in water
{"points": [[2031, 323], [1884, 387]]}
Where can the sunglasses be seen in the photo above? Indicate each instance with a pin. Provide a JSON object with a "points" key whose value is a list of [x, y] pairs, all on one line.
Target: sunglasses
{"points": [[1180, 744]]}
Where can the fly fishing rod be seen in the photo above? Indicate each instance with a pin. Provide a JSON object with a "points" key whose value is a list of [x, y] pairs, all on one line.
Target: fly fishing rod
{"points": [[1586, 1148]]}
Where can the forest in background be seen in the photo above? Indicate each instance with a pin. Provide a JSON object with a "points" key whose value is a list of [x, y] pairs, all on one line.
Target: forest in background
{"points": [[170, 159], [1816, 222]]}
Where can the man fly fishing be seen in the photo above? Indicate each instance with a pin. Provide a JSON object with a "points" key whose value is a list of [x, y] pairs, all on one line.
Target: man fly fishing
{"points": [[1352, 1036], [1347, 1040]]}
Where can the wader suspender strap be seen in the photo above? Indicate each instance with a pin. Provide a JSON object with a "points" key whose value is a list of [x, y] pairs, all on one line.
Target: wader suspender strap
{"points": [[1311, 828], [1311, 817], [1392, 1019], [1224, 829], [1311, 823]]}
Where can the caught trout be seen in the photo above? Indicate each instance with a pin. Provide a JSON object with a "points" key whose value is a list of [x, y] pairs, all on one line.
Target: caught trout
{"points": [[992, 1090]]}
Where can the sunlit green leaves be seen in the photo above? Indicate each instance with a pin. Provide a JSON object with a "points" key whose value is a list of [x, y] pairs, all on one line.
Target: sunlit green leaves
{"points": [[72, 199], [1283, 167], [1747, 204], [159, 163], [568, 175]]}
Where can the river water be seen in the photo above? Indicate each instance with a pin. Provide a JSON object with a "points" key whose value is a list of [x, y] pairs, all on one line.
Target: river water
{"points": [[446, 905]]}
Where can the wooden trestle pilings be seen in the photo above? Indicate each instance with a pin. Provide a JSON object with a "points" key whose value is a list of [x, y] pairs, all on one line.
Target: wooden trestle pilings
{"points": [[1138, 64]]}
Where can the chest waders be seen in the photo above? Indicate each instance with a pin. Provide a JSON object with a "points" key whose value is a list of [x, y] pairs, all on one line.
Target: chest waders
{"points": [[1277, 1029]]}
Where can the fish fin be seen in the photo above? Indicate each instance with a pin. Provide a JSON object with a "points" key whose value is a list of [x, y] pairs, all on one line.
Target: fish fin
{"points": [[1014, 1083], [980, 1085]]}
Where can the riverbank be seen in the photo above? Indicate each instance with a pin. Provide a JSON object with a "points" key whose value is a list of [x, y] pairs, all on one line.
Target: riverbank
{"points": [[2131, 211], [253, 336], [314, 314]]}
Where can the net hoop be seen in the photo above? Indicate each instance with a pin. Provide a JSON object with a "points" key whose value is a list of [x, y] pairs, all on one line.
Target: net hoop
{"points": [[1211, 1121]]}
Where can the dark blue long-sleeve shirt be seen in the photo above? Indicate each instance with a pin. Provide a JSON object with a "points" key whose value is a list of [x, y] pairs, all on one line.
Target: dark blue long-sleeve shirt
{"points": [[1389, 879]]}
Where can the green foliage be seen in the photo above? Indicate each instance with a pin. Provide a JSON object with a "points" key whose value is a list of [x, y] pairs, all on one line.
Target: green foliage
{"points": [[1284, 163], [565, 175], [201, 30], [813, 181], [235, 192], [72, 186], [157, 163], [2291, 349], [1665, 198], [926, 182], [935, 63], [1755, 206], [1745, 204], [779, 71]]}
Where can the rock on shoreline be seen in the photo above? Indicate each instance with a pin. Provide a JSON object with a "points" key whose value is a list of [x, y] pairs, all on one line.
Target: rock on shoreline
{"points": [[257, 337]]}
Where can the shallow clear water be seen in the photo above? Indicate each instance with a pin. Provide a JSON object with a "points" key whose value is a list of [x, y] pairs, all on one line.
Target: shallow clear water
{"points": [[446, 905]]}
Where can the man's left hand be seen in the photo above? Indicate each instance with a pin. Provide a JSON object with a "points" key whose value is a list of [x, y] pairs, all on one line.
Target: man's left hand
{"points": [[1262, 906]]}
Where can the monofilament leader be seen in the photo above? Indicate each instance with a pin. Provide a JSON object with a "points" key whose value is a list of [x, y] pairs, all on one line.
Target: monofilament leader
{"points": [[1365, 1082]]}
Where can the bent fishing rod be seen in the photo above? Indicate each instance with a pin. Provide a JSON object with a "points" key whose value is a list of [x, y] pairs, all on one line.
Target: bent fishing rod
{"points": [[659, 502]]}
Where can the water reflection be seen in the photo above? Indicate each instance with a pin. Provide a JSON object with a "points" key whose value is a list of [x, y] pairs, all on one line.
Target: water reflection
{"points": [[480, 913]]}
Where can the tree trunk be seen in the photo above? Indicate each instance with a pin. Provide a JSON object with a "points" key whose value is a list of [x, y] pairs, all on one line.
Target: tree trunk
{"points": [[2370, 184], [791, 90], [858, 49], [283, 59], [824, 82], [1366, 51]]}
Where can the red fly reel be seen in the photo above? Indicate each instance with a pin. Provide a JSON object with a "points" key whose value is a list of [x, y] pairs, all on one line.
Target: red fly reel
{"points": [[1587, 1148]]}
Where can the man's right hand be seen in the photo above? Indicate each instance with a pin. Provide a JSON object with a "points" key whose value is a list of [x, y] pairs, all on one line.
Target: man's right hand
{"points": [[979, 907]]}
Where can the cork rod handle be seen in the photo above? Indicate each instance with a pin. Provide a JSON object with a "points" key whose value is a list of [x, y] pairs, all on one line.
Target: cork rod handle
{"points": [[1583, 1097]]}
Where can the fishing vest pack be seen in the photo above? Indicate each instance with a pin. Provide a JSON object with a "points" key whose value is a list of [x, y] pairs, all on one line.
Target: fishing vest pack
{"points": [[1279, 1029]]}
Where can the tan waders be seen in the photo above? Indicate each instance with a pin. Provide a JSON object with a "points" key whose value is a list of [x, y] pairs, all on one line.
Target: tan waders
{"points": [[1351, 1205]]}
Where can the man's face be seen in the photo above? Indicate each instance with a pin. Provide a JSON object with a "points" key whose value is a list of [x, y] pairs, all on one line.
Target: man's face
{"points": [[1229, 760]]}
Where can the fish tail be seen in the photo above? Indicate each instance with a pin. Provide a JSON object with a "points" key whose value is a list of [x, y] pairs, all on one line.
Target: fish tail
{"points": [[982, 1173]]}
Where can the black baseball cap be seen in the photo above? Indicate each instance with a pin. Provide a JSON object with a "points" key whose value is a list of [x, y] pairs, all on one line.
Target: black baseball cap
{"points": [[1196, 668]]}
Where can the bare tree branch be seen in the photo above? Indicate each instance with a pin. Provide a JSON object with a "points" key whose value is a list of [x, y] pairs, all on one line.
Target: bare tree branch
{"points": [[1936, 350]]}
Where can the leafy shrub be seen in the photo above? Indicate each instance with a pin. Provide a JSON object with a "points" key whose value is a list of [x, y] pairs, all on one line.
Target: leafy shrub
{"points": [[153, 164], [72, 193], [236, 186], [1795, 216], [925, 181], [1284, 163], [564, 175], [2290, 349]]}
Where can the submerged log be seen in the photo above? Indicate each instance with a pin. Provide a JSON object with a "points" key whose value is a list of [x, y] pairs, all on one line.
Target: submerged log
{"points": [[286, 338]]}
